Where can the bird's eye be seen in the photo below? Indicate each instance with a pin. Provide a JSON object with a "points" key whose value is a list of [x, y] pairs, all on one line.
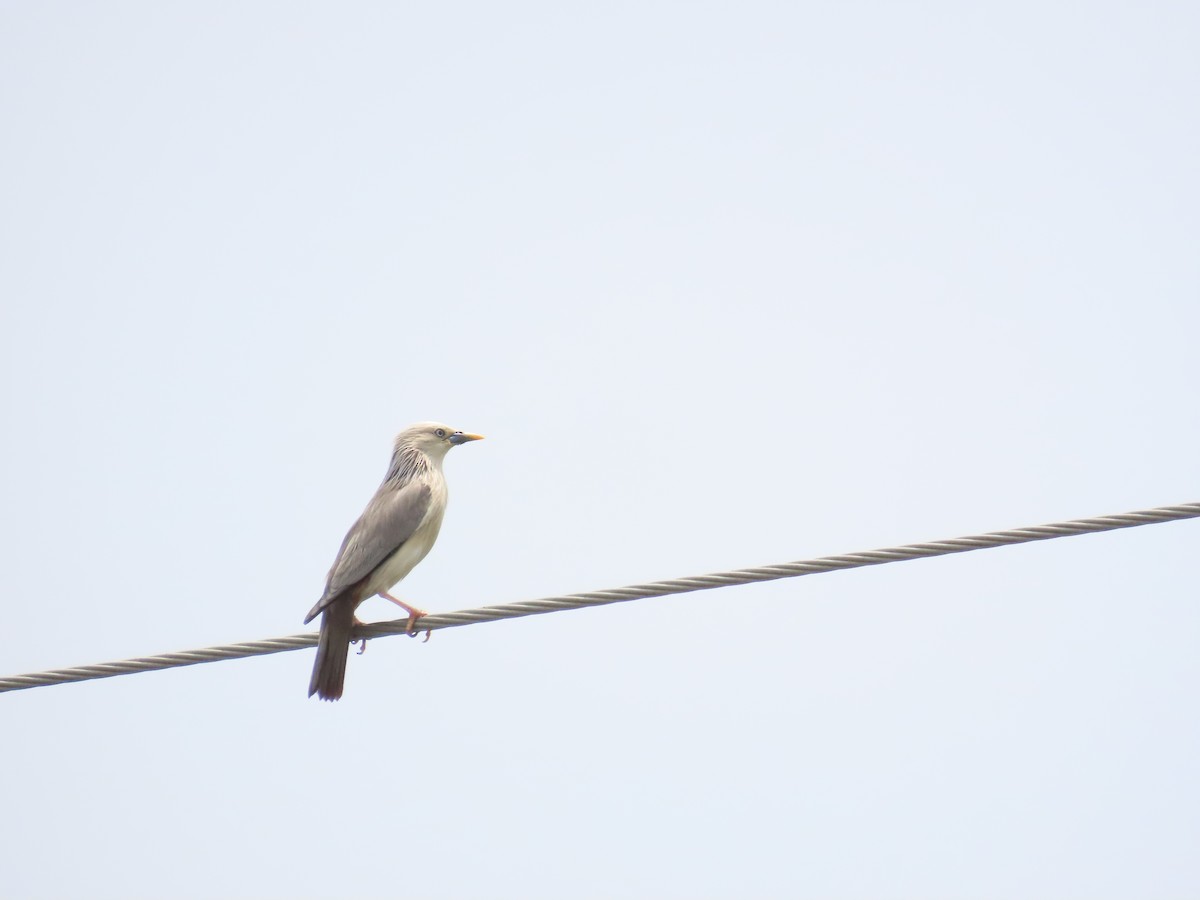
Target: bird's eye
{"points": [[441, 432]]}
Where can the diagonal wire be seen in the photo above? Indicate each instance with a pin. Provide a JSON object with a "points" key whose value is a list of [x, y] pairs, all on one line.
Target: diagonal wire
{"points": [[617, 595]]}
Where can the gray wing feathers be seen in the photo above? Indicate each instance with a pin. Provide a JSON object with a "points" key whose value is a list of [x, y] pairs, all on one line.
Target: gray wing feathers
{"points": [[388, 521]]}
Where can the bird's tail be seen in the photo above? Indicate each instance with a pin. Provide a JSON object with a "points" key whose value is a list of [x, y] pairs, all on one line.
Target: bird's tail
{"points": [[329, 669]]}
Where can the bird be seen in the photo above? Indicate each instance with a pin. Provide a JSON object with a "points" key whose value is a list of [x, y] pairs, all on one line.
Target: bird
{"points": [[394, 533]]}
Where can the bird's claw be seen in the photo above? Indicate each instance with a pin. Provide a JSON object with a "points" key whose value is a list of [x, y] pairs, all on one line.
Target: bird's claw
{"points": [[362, 641], [412, 631], [428, 633]]}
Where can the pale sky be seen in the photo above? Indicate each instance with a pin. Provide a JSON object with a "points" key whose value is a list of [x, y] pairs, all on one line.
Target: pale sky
{"points": [[724, 285]]}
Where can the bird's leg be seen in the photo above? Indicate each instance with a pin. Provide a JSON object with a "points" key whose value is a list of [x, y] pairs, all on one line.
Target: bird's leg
{"points": [[413, 614], [412, 611]]}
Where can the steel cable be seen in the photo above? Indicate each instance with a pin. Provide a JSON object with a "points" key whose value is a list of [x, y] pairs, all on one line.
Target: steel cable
{"points": [[685, 585]]}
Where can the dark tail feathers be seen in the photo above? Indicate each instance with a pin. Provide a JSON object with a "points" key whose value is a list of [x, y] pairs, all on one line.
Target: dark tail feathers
{"points": [[329, 669]]}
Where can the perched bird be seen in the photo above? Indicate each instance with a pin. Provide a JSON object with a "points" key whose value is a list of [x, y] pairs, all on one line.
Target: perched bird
{"points": [[393, 534]]}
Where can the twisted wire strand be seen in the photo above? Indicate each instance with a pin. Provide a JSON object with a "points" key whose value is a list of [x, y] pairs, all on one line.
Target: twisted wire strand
{"points": [[685, 585]]}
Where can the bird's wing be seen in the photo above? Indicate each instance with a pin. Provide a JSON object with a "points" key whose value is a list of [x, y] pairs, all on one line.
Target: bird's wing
{"points": [[388, 521]]}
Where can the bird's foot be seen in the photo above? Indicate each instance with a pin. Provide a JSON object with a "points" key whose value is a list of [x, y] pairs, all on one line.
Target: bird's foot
{"points": [[411, 631], [362, 641], [414, 613]]}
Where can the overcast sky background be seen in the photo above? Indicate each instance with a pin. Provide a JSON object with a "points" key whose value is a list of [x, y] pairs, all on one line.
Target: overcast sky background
{"points": [[724, 285]]}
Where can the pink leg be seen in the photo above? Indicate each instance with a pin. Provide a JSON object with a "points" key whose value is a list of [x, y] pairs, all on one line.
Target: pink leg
{"points": [[413, 614]]}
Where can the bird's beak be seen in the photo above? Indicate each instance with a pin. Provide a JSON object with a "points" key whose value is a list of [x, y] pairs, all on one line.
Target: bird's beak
{"points": [[461, 437]]}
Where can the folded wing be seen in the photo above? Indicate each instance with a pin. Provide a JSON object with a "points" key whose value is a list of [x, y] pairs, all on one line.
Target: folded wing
{"points": [[388, 521]]}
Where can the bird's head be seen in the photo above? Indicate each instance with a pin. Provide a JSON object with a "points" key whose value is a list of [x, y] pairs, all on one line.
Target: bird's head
{"points": [[433, 438]]}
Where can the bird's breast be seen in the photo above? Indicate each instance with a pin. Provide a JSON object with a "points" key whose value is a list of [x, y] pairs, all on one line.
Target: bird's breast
{"points": [[412, 551]]}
